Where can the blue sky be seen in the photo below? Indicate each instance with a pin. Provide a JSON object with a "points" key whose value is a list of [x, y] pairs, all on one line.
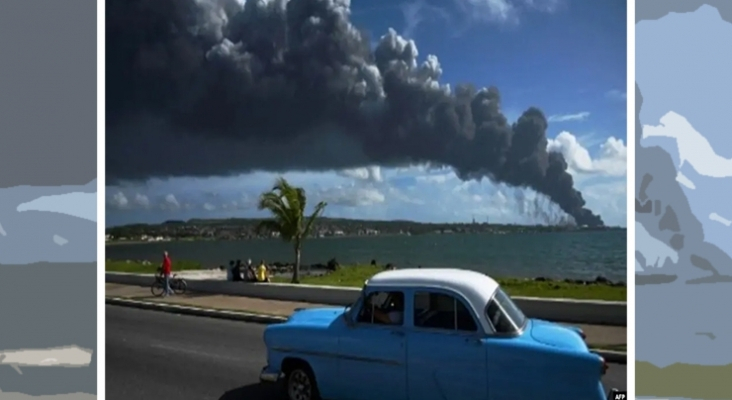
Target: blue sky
{"points": [[566, 57]]}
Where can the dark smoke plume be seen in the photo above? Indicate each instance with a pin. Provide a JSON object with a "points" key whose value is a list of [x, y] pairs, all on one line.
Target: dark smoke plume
{"points": [[210, 87]]}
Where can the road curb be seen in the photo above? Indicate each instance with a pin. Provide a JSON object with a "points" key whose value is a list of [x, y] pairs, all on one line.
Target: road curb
{"points": [[196, 311], [616, 357]]}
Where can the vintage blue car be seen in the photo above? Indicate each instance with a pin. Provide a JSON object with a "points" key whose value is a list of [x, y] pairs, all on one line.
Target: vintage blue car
{"points": [[423, 334]]}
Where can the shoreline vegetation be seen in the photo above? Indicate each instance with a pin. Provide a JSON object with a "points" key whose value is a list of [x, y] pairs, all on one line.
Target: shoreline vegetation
{"points": [[332, 274], [703, 382], [246, 229]]}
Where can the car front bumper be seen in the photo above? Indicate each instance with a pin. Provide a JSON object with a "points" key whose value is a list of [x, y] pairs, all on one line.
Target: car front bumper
{"points": [[269, 375]]}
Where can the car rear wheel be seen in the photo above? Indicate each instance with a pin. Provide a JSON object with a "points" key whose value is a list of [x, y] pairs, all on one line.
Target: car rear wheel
{"points": [[300, 384]]}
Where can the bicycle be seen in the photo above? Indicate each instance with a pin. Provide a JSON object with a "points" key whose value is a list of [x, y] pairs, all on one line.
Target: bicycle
{"points": [[178, 285]]}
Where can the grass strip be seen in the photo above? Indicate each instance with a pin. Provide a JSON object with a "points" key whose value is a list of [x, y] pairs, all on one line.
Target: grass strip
{"points": [[356, 275]]}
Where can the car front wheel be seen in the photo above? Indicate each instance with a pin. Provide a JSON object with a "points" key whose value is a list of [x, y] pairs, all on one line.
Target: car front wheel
{"points": [[300, 384]]}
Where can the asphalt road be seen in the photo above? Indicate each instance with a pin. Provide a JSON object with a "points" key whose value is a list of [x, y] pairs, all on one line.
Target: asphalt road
{"points": [[152, 354]]}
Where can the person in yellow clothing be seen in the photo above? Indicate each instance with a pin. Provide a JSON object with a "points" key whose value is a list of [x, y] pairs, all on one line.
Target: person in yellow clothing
{"points": [[262, 272]]}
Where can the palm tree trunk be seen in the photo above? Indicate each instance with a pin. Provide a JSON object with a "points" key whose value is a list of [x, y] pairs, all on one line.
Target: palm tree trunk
{"points": [[296, 269]]}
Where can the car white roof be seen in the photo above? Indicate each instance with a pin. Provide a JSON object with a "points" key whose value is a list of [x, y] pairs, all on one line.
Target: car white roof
{"points": [[477, 288]]}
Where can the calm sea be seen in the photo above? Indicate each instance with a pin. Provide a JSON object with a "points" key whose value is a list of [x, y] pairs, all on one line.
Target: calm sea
{"points": [[559, 255]]}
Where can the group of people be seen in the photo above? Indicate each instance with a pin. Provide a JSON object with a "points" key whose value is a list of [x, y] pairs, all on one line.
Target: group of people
{"points": [[234, 273], [238, 272]]}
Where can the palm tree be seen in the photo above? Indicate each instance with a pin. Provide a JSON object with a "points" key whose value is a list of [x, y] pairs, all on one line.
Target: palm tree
{"points": [[287, 205]]}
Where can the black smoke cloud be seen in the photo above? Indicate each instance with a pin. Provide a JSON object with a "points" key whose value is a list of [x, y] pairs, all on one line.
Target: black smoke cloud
{"points": [[211, 87]]}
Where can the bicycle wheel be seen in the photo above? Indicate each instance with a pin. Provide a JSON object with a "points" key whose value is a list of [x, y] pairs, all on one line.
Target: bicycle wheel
{"points": [[157, 288], [179, 286]]}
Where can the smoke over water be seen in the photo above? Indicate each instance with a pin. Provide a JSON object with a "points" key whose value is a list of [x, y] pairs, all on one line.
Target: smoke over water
{"points": [[214, 87]]}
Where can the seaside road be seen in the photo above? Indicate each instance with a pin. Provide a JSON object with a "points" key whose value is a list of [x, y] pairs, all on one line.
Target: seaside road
{"points": [[607, 337], [165, 356]]}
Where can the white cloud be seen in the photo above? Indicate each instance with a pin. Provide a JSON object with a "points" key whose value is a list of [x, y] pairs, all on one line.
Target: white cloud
{"points": [[684, 180], [504, 11], [548, 6], [718, 218], [437, 178], [171, 202], [400, 196], [580, 116], [693, 147], [372, 173], [119, 200], [422, 193], [142, 200], [417, 12], [607, 199], [616, 94], [611, 161], [351, 196]]}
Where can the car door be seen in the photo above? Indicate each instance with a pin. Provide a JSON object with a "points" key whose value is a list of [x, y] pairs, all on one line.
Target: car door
{"points": [[446, 357], [372, 355]]}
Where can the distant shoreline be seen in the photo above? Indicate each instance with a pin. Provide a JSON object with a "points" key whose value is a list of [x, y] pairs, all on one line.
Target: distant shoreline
{"points": [[199, 240], [70, 396]]}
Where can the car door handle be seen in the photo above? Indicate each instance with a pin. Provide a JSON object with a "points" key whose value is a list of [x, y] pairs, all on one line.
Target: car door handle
{"points": [[397, 333], [473, 341]]}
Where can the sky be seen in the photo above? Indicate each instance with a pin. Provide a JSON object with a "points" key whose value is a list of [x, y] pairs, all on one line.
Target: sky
{"points": [[566, 57]]}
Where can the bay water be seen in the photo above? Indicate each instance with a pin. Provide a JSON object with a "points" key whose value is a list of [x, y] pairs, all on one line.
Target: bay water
{"points": [[575, 255]]}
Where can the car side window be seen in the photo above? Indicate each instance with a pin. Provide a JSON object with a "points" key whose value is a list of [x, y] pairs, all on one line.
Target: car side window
{"points": [[442, 311], [382, 308]]}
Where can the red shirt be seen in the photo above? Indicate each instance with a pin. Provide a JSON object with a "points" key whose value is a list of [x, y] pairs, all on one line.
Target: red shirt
{"points": [[166, 265]]}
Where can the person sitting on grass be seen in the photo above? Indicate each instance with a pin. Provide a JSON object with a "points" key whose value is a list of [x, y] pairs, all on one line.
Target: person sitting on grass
{"points": [[230, 271], [236, 272], [250, 274], [262, 272]]}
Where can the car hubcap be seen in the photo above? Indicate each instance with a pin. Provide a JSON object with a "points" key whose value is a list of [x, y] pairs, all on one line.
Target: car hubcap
{"points": [[299, 386]]}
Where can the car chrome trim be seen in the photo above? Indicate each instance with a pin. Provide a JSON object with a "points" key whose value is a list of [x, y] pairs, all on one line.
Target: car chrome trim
{"points": [[518, 332], [337, 356], [466, 334], [268, 375]]}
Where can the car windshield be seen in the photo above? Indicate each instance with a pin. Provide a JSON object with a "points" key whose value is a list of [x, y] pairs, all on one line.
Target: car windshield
{"points": [[503, 313], [355, 305]]}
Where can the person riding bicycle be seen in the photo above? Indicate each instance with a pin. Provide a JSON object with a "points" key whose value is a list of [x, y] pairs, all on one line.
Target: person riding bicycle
{"points": [[166, 268]]}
